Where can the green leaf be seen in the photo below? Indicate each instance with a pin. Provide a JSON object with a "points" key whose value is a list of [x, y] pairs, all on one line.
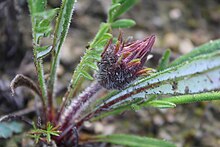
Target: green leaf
{"points": [[128, 106], [37, 5], [86, 75], [160, 104], [133, 141], [196, 76], [184, 99], [111, 11], [207, 48], [7, 129], [107, 36], [61, 29], [92, 65], [123, 23], [96, 46], [114, 1], [200, 73], [125, 6], [42, 22], [164, 61], [40, 19], [102, 42], [46, 15], [103, 29], [43, 51], [135, 107], [63, 22]]}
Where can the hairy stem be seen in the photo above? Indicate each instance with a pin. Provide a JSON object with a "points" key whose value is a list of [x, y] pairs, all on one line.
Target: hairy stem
{"points": [[61, 29], [78, 105], [36, 43]]}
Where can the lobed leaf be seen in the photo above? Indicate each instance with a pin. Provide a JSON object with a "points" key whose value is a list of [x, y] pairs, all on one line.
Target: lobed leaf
{"points": [[88, 61], [40, 19]]}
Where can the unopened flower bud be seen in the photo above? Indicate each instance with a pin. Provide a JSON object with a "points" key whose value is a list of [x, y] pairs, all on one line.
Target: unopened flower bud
{"points": [[121, 63]]}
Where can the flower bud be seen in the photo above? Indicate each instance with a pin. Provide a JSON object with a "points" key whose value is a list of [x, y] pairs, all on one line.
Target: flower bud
{"points": [[121, 63]]}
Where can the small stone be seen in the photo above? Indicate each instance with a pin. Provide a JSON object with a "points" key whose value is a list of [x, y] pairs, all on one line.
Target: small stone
{"points": [[171, 40], [170, 118], [109, 129], [175, 14], [87, 124], [185, 46], [158, 21], [165, 135], [60, 70], [98, 127], [158, 120], [139, 35], [70, 51]]}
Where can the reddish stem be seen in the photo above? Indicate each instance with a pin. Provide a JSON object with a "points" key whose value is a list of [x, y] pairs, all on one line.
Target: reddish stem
{"points": [[105, 106], [77, 106], [50, 110]]}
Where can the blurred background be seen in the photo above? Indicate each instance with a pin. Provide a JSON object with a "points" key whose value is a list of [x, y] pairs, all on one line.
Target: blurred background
{"points": [[179, 25]]}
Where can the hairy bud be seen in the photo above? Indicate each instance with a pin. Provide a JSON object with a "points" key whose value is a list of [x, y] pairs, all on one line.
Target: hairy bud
{"points": [[121, 63]]}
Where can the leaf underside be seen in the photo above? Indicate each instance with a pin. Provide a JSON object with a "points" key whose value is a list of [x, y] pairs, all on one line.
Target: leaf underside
{"points": [[196, 72]]}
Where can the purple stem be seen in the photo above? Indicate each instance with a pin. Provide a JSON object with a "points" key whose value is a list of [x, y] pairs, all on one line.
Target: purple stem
{"points": [[78, 105], [105, 106]]}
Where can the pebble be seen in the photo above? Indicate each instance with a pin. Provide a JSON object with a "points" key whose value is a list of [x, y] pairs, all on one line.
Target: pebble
{"points": [[175, 14], [186, 46], [171, 40]]}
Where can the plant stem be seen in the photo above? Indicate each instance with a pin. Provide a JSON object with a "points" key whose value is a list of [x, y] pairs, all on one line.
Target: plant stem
{"points": [[78, 105], [51, 84], [36, 42], [40, 73], [80, 102], [61, 29]]}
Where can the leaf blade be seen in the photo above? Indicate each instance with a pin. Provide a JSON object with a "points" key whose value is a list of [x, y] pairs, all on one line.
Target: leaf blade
{"points": [[123, 23], [134, 141], [125, 6], [164, 61]]}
